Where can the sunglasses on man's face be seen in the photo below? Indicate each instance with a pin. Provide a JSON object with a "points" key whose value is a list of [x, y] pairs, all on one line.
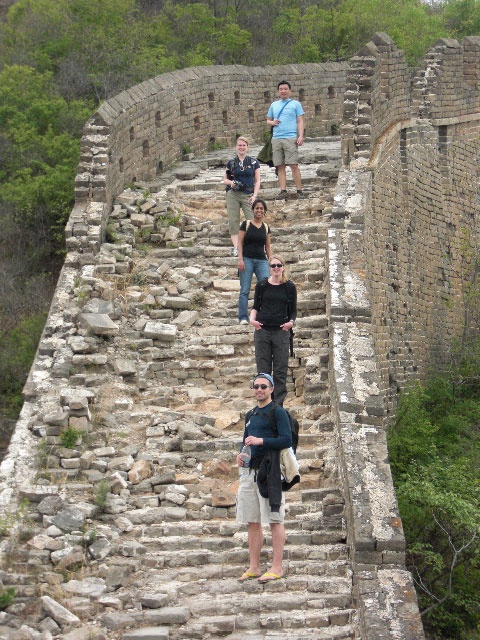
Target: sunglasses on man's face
{"points": [[276, 265], [260, 386]]}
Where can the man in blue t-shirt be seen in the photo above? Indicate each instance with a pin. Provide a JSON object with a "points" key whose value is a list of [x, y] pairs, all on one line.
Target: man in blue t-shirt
{"points": [[286, 118]]}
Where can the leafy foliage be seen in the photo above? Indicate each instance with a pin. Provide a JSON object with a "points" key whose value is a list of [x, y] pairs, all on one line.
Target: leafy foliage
{"points": [[7, 598], [60, 58], [462, 18], [17, 349], [70, 436], [434, 451], [39, 137]]}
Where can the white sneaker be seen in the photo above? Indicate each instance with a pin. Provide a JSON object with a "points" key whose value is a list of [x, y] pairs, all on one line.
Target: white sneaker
{"points": [[244, 321], [235, 252]]}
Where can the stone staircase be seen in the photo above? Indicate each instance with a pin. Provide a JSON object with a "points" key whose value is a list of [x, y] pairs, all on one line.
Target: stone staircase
{"points": [[132, 530]]}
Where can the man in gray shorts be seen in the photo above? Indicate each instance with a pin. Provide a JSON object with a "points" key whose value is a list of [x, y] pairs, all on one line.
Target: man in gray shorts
{"points": [[253, 509], [286, 118]]}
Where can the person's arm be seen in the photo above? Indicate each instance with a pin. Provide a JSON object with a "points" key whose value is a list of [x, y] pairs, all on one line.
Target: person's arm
{"points": [[268, 247], [253, 313], [293, 305], [245, 435], [228, 177], [241, 238], [271, 121], [253, 319], [292, 299], [284, 439], [256, 184], [300, 130]]}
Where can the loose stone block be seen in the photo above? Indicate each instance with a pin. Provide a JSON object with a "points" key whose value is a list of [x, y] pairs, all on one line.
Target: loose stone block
{"points": [[59, 613], [148, 633], [99, 324], [160, 331]]}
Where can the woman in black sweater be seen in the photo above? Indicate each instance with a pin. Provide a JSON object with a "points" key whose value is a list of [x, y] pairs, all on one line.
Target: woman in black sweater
{"points": [[273, 316]]}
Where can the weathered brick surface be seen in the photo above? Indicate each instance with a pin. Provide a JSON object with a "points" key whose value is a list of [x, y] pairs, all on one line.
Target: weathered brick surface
{"points": [[142, 130], [405, 199], [405, 209]]}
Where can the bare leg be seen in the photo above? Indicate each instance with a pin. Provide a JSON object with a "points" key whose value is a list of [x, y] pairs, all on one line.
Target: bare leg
{"points": [[255, 542], [278, 543], [296, 175], [282, 177]]}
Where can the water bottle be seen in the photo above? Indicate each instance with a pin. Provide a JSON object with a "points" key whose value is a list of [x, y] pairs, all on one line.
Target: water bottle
{"points": [[245, 455]]}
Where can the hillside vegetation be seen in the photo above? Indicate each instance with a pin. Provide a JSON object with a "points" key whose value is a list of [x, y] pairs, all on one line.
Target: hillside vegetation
{"points": [[60, 58], [434, 449]]}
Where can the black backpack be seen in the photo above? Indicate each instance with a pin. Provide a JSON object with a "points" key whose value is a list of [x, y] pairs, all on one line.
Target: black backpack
{"points": [[294, 425]]}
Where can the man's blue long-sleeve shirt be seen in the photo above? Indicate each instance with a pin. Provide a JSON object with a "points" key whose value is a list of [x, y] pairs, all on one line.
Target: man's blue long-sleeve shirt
{"points": [[259, 425]]}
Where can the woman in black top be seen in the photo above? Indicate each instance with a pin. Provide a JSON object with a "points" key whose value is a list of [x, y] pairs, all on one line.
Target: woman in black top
{"points": [[253, 254], [273, 316]]}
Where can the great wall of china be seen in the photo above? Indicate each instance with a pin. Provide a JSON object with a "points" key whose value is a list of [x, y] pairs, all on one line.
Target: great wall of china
{"points": [[129, 531]]}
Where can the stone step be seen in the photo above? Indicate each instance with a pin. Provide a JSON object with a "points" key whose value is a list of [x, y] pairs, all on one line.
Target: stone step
{"points": [[330, 548], [269, 187], [176, 551], [328, 631], [300, 555], [201, 621], [255, 611]]}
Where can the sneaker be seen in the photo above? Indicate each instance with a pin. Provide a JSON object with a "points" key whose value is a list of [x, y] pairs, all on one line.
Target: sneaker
{"points": [[244, 321], [283, 195], [300, 194], [235, 252]]}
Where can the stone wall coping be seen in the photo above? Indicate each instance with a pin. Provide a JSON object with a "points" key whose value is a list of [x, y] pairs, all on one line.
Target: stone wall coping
{"points": [[374, 525], [392, 132]]}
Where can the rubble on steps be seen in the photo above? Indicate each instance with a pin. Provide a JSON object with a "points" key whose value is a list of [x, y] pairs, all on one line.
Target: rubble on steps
{"points": [[137, 400]]}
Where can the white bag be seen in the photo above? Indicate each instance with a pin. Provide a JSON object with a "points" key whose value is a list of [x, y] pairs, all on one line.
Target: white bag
{"points": [[289, 466]]}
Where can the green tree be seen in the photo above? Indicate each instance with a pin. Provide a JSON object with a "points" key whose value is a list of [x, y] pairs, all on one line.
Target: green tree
{"points": [[39, 144], [17, 349], [434, 449], [35, 33], [232, 44], [40, 154], [462, 18], [95, 49]]}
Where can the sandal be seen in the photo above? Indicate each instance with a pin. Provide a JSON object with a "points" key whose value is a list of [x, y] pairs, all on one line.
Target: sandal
{"points": [[269, 576], [248, 575]]}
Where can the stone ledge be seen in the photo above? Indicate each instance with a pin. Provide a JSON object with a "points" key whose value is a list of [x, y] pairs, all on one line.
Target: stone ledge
{"points": [[374, 526]]}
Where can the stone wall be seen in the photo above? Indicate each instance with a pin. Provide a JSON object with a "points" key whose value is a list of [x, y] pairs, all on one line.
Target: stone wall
{"points": [[420, 144], [405, 198], [406, 202], [139, 133]]}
